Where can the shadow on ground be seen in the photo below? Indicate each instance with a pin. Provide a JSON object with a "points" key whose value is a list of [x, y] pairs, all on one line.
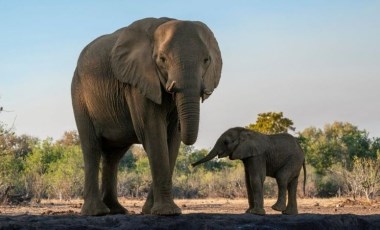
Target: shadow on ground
{"points": [[192, 221]]}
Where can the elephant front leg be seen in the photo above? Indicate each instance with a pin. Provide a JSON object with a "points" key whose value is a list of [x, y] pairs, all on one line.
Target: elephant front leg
{"points": [[258, 197], [174, 142], [162, 187], [249, 190], [255, 182], [148, 205], [159, 161]]}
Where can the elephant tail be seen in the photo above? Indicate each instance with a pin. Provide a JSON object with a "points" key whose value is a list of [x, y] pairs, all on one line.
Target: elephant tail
{"points": [[304, 177]]}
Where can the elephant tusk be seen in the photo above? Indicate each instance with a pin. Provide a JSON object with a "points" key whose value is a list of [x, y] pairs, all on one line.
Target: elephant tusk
{"points": [[208, 93], [170, 87]]}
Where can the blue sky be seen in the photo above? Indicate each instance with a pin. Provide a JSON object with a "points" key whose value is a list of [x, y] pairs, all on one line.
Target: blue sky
{"points": [[316, 61]]}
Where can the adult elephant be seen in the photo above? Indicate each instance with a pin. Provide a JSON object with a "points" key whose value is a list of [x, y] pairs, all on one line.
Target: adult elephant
{"points": [[141, 84]]}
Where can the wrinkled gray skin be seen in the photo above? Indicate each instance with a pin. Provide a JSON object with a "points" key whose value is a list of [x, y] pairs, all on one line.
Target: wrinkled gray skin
{"points": [[141, 84], [278, 156]]}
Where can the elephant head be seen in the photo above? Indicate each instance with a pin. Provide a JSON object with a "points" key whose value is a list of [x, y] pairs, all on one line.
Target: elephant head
{"points": [[170, 56], [237, 143]]}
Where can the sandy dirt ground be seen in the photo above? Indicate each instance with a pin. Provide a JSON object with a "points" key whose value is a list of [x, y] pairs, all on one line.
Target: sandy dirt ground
{"points": [[217, 205], [336, 213]]}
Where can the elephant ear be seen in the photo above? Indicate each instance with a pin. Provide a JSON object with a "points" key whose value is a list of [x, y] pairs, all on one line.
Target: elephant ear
{"points": [[250, 145], [132, 60], [212, 76]]}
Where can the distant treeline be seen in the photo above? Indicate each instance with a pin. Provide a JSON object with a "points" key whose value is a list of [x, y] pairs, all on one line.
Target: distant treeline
{"points": [[341, 161]]}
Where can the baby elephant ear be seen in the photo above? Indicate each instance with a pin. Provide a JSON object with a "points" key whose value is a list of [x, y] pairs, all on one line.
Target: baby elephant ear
{"points": [[248, 147], [132, 60], [244, 150]]}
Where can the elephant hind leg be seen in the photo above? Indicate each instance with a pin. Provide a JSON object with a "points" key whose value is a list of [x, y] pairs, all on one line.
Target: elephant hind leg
{"points": [[93, 205], [280, 205], [109, 181], [291, 209]]}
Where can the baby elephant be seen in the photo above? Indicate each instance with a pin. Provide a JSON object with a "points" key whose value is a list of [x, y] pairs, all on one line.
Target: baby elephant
{"points": [[278, 156]]}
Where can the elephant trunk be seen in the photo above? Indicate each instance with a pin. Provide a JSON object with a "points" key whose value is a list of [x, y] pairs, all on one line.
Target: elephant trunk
{"points": [[188, 112], [209, 156]]}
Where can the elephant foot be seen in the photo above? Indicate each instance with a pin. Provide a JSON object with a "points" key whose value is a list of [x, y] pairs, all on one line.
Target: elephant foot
{"points": [[279, 207], [165, 209], [290, 211], [94, 208], [147, 208], [256, 211], [116, 208]]}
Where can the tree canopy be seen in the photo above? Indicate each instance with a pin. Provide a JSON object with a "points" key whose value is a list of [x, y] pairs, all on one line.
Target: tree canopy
{"points": [[337, 143], [271, 123]]}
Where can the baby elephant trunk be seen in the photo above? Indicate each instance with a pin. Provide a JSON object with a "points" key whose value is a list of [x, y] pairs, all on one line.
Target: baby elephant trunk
{"points": [[209, 156]]}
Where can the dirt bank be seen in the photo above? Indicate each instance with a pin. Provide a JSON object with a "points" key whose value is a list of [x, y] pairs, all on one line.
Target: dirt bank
{"points": [[197, 214]]}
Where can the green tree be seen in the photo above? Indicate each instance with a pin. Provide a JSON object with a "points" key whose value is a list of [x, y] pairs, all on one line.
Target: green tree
{"points": [[128, 161], [337, 143], [7, 138], [11, 168], [65, 176], [271, 123], [333, 152], [13, 151], [350, 141], [320, 153], [37, 165]]}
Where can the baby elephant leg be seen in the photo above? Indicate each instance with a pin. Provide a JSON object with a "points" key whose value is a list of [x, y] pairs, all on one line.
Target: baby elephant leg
{"points": [[291, 208], [255, 195], [257, 207], [280, 205], [256, 211]]}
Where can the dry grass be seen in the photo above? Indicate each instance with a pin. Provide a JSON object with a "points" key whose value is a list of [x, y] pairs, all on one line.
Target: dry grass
{"points": [[215, 205]]}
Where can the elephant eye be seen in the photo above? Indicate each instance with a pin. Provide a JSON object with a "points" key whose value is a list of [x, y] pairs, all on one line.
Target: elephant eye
{"points": [[225, 142], [162, 59], [206, 60]]}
